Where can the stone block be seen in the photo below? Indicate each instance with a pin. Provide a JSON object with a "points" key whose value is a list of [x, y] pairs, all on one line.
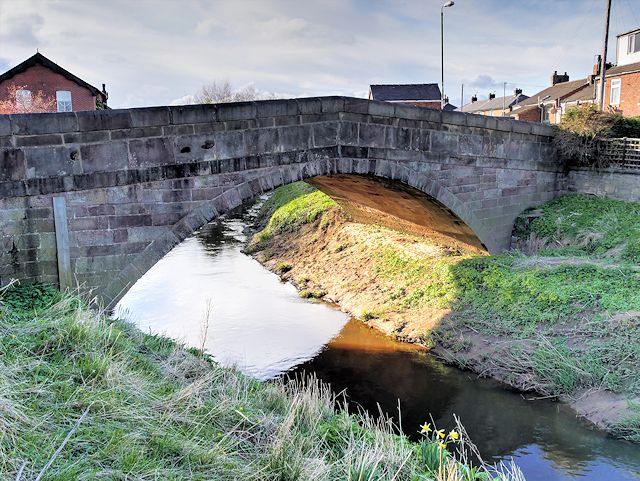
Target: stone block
{"points": [[35, 124], [295, 138], [470, 144], [334, 104], [193, 114], [12, 165], [51, 161], [372, 135], [309, 106], [136, 133], [185, 129], [260, 141], [276, 108], [104, 120], [325, 134], [104, 157], [149, 116], [229, 144], [381, 109], [454, 118], [236, 111], [86, 137], [420, 139], [444, 142], [5, 125], [37, 140], [150, 152]]}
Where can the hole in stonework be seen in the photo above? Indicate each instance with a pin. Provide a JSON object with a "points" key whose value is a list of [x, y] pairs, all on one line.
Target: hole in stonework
{"points": [[185, 150], [74, 155], [208, 145]]}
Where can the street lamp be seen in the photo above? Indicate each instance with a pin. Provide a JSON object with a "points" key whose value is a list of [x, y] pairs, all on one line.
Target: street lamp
{"points": [[447, 4]]}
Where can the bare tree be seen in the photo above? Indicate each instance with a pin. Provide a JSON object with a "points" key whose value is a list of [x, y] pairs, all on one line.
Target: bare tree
{"points": [[223, 92]]}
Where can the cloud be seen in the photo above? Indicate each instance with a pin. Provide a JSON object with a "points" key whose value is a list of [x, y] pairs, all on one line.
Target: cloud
{"points": [[154, 52]]}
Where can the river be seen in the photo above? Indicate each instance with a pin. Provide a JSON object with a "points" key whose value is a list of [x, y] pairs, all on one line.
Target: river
{"points": [[209, 294]]}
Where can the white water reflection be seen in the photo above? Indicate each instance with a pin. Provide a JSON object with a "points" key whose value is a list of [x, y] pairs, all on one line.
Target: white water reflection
{"points": [[256, 322]]}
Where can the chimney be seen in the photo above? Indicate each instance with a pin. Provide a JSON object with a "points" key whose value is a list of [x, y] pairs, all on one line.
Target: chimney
{"points": [[492, 96], [558, 79], [474, 98], [596, 66], [517, 92]]}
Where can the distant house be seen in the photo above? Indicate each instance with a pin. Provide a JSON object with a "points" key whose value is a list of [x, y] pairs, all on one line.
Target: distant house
{"points": [[39, 77], [422, 95], [549, 105], [494, 106], [622, 82]]}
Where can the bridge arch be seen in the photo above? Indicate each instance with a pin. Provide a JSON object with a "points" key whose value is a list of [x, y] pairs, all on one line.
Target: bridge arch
{"points": [[136, 182]]}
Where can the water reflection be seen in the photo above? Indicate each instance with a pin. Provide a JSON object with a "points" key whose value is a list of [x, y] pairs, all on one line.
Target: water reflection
{"points": [[261, 325]]}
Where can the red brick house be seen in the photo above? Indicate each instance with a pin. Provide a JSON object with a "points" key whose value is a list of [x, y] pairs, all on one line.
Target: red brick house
{"points": [[421, 95], [56, 89], [622, 82]]}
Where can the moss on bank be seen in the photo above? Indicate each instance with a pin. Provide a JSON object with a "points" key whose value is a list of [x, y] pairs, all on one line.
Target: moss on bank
{"points": [[156, 410], [563, 320]]}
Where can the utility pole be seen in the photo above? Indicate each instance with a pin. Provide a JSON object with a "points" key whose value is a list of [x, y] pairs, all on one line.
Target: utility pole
{"points": [[462, 98], [603, 60]]}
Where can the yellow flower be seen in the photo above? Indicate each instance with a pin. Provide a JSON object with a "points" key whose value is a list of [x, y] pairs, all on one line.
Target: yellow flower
{"points": [[440, 433], [454, 435], [442, 445], [425, 428]]}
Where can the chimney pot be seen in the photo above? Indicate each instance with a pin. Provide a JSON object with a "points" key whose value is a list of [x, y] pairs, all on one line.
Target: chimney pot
{"points": [[492, 96], [474, 98], [517, 92], [558, 78]]}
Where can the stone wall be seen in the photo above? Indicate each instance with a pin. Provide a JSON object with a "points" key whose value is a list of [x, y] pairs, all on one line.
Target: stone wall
{"points": [[614, 183], [136, 182]]}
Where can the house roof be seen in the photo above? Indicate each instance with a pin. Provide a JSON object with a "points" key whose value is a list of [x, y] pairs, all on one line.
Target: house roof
{"points": [[493, 104], [400, 92], [627, 33], [449, 107], [525, 109], [555, 92], [586, 93], [39, 59], [623, 69]]}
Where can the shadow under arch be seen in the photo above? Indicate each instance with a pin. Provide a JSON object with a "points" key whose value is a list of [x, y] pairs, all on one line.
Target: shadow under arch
{"points": [[382, 191]]}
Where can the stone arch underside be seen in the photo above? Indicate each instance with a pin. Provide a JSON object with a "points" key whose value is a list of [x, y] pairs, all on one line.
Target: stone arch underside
{"points": [[409, 202]]}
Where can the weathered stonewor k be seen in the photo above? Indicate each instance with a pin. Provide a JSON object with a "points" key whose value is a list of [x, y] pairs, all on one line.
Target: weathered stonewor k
{"points": [[96, 198]]}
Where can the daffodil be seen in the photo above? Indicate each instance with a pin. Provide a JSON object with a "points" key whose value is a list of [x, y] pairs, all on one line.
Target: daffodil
{"points": [[425, 428], [442, 445], [454, 435], [440, 433]]}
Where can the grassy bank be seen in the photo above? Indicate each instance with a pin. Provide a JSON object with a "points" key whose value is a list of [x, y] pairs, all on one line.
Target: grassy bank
{"points": [[561, 316], [85, 397]]}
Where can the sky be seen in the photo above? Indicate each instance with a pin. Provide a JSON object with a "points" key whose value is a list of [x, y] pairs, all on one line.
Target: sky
{"points": [[158, 52]]}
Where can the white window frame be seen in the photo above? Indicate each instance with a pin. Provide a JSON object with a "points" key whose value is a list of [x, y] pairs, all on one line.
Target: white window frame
{"points": [[24, 98], [616, 86], [64, 101], [633, 44]]}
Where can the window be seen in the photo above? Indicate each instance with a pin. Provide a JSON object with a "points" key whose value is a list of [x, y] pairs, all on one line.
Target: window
{"points": [[634, 43], [23, 99], [63, 98], [545, 114], [614, 96]]}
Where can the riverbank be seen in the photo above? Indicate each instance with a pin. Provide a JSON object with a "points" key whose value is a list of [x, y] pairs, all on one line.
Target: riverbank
{"points": [[559, 318], [83, 396]]}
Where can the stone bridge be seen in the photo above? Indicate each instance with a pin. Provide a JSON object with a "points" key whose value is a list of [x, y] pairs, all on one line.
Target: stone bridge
{"points": [[97, 198]]}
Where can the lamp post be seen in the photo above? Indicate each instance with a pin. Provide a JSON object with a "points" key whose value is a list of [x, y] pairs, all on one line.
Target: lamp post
{"points": [[447, 4]]}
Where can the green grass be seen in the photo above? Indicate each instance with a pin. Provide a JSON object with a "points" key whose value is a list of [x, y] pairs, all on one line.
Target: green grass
{"points": [[291, 206], [589, 226], [159, 411]]}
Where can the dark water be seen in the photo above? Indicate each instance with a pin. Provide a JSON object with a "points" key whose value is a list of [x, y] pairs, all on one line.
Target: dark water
{"points": [[261, 325]]}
